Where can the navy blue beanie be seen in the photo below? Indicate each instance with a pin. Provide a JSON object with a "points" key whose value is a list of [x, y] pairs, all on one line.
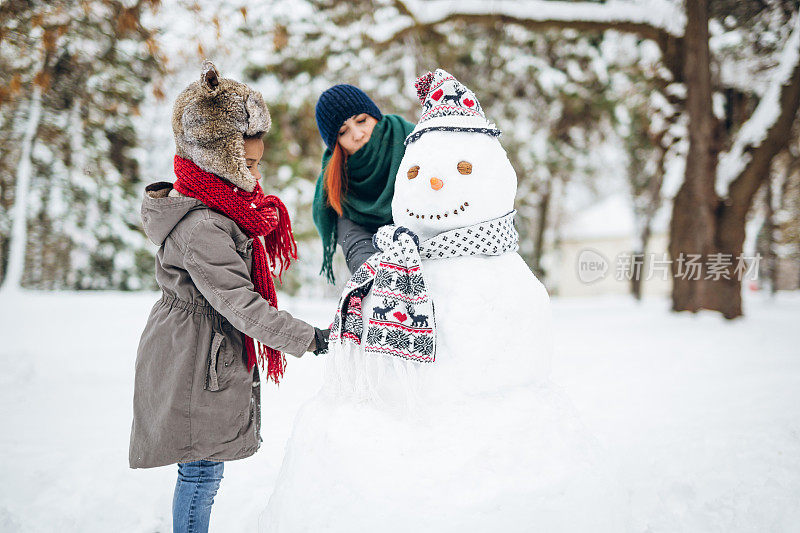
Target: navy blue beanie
{"points": [[339, 103]]}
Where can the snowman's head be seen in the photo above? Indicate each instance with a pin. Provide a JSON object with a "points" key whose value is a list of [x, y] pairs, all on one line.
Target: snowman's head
{"points": [[454, 172], [449, 180]]}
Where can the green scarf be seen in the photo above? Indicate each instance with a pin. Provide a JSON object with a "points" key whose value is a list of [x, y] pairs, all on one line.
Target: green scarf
{"points": [[370, 185]]}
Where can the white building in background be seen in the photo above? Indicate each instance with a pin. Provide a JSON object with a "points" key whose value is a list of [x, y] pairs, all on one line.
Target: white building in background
{"points": [[593, 254]]}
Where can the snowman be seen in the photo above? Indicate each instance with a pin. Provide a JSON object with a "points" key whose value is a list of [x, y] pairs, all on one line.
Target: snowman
{"points": [[437, 412]]}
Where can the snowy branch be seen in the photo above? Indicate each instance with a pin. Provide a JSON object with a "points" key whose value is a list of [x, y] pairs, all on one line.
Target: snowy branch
{"points": [[769, 111], [662, 21], [653, 18]]}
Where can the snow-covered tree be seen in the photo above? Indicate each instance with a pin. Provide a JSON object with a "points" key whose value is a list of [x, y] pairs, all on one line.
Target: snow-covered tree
{"points": [[78, 74]]}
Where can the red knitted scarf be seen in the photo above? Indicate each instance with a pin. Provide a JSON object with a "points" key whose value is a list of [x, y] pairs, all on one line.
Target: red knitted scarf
{"points": [[258, 216]]}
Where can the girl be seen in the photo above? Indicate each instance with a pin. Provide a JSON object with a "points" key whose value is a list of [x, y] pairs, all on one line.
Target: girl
{"points": [[354, 190], [197, 396]]}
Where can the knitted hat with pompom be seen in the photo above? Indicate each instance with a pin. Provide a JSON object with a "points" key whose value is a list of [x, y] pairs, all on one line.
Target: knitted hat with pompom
{"points": [[447, 105]]}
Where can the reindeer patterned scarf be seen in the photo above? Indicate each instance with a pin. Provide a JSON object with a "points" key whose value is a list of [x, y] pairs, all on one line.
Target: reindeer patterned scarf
{"points": [[402, 322]]}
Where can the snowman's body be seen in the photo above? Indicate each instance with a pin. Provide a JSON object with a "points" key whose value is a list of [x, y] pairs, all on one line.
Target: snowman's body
{"points": [[493, 326], [477, 440]]}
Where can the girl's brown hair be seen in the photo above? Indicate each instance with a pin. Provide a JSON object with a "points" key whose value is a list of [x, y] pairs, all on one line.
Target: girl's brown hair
{"points": [[335, 182]]}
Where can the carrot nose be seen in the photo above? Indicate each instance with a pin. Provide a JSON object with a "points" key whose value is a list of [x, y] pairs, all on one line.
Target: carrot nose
{"points": [[436, 184]]}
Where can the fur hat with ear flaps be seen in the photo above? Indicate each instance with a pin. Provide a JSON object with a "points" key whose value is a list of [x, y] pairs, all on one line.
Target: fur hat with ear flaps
{"points": [[209, 120]]}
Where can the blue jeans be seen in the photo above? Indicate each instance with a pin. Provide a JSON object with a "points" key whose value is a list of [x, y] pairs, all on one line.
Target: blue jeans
{"points": [[197, 485]]}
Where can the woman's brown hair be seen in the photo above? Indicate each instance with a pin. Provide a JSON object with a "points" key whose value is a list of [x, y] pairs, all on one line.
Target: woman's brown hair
{"points": [[335, 182]]}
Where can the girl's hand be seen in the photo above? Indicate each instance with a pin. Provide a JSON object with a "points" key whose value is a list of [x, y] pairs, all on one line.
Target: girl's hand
{"points": [[319, 345]]}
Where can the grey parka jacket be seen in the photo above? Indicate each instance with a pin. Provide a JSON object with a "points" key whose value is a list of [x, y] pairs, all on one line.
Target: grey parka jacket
{"points": [[193, 395]]}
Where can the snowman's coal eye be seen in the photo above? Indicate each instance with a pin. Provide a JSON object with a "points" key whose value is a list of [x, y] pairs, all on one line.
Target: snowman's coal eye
{"points": [[413, 172], [464, 167]]}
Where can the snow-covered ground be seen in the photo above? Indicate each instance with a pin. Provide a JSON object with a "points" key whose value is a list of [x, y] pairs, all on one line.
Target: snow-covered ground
{"points": [[701, 416]]}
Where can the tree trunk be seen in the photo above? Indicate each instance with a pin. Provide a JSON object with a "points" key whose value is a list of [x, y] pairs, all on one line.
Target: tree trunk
{"points": [[725, 294], [701, 223], [19, 228], [692, 227], [732, 214], [771, 258], [538, 243], [638, 261], [653, 195]]}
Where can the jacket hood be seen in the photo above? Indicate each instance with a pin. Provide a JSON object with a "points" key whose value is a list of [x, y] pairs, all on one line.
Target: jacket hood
{"points": [[161, 211]]}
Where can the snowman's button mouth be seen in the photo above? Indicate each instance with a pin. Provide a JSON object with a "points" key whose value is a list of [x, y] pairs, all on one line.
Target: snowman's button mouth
{"points": [[439, 216]]}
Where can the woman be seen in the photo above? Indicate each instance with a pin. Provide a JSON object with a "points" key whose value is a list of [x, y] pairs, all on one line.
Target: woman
{"points": [[354, 191]]}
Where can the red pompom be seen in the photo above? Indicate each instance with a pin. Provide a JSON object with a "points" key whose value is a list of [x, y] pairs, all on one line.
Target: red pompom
{"points": [[422, 84]]}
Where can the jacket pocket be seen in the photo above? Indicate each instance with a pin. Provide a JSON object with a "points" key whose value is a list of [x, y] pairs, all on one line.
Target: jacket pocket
{"points": [[212, 375]]}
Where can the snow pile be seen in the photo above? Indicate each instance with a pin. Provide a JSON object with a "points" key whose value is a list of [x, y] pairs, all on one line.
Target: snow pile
{"points": [[479, 440], [503, 463]]}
